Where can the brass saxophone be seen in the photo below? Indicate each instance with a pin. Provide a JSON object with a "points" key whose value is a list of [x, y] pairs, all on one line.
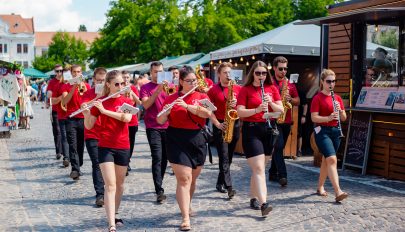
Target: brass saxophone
{"points": [[200, 78], [168, 90], [286, 105], [231, 115]]}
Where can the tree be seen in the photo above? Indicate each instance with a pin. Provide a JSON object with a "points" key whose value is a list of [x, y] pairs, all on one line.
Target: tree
{"points": [[387, 38], [308, 9], [82, 27], [64, 49]]}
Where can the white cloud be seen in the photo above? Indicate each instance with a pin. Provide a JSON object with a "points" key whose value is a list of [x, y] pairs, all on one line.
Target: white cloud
{"points": [[51, 15]]}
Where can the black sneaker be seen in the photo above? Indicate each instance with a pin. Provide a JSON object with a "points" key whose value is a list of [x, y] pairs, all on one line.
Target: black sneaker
{"points": [[231, 192], [74, 175], [119, 222], [58, 156], [283, 182], [100, 201], [129, 168], [254, 204], [161, 197], [266, 208], [220, 188], [65, 163]]}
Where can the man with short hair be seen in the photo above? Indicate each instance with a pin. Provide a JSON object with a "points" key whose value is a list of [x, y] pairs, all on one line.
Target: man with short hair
{"points": [[278, 170], [152, 98], [176, 74]]}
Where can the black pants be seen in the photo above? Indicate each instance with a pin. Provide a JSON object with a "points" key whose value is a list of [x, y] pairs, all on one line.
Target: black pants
{"points": [[56, 133], [75, 138], [132, 133], [278, 167], [92, 149], [63, 137], [225, 154], [157, 144]]}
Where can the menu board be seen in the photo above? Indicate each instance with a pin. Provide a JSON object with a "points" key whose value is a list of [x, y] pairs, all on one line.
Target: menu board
{"points": [[399, 103], [380, 98], [358, 140]]}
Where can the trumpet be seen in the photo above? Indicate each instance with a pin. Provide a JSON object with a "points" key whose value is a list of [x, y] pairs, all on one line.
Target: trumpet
{"points": [[168, 89], [89, 106], [81, 87], [172, 104]]}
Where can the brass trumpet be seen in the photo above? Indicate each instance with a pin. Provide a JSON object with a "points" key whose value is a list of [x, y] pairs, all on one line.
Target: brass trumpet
{"points": [[168, 89], [81, 87]]}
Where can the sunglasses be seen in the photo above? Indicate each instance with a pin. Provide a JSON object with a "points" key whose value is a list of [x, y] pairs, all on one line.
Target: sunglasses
{"points": [[258, 73], [330, 81], [118, 84], [190, 81], [282, 69], [58, 71]]}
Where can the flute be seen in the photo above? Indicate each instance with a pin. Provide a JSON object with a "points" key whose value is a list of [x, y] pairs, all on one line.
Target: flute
{"points": [[172, 104], [89, 106], [335, 110]]}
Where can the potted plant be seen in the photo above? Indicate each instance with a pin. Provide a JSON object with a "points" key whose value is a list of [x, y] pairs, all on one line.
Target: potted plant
{"points": [[346, 99]]}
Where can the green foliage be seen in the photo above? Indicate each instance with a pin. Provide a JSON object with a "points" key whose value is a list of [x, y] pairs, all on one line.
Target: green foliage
{"points": [[82, 27], [144, 30], [64, 49], [388, 38]]}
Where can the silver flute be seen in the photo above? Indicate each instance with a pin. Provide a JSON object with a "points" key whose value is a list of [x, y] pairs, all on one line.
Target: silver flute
{"points": [[335, 110], [172, 104], [89, 106]]}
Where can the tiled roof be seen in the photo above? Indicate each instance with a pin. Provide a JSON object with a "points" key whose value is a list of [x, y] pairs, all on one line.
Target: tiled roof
{"points": [[18, 24], [43, 39]]}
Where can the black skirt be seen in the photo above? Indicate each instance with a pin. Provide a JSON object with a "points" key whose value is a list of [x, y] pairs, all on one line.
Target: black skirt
{"points": [[186, 147]]}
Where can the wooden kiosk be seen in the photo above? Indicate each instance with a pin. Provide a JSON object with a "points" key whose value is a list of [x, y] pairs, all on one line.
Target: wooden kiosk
{"points": [[375, 135]]}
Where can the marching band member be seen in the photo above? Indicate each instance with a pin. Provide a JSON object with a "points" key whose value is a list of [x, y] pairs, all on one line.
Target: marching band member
{"points": [[91, 137], [133, 95], [71, 98], [257, 135], [152, 98], [327, 133], [278, 170], [113, 146], [219, 97], [186, 147]]}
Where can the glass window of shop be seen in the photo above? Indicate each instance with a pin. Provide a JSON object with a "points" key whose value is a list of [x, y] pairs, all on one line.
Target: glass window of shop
{"points": [[381, 59]]}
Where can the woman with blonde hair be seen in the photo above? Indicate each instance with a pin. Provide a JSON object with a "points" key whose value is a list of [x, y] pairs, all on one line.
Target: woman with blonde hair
{"points": [[325, 113]]}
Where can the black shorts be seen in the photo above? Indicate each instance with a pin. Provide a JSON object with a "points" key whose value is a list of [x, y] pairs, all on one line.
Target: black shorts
{"points": [[256, 139], [117, 156], [186, 147]]}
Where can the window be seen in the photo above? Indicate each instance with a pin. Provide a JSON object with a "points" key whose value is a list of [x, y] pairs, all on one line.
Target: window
{"points": [[5, 48], [25, 48], [382, 56], [18, 48], [1, 48], [25, 64]]}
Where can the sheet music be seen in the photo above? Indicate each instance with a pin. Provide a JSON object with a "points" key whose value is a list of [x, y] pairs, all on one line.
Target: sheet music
{"points": [[127, 108], [164, 76]]}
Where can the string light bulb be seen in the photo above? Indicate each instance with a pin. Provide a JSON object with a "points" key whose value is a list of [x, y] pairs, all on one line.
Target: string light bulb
{"points": [[220, 62], [211, 62], [269, 66], [376, 28], [230, 60], [241, 58], [253, 57], [236, 64], [247, 63], [215, 67]]}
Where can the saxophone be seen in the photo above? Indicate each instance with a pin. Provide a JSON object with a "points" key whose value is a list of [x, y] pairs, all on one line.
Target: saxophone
{"points": [[231, 115], [169, 90], [286, 104], [200, 78]]}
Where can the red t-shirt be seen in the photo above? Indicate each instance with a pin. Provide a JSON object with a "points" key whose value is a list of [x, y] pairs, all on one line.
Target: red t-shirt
{"points": [[112, 133], [180, 117], [292, 90], [93, 133], [322, 104], [53, 86], [218, 96], [62, 115], [134, 120], [209, 82], [251, 97], [75, 101]]}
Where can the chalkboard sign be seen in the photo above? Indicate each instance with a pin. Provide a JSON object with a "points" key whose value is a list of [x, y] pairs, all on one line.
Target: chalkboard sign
{"points": [[358, 140]]}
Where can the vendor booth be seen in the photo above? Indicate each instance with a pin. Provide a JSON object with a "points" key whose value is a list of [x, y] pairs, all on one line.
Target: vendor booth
{"points": [[375, 134]]}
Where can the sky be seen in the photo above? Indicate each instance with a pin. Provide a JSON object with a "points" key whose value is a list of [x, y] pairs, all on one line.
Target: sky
{"points": [[59, 15]]}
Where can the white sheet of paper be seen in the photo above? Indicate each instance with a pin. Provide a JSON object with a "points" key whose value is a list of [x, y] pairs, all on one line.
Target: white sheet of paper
{"points": [[236, 74], [67, 75], [207, 104], [127, 108], [294, 77], [73, 81], [165, 76], [271, 115], [317, 129], [99, 88]]}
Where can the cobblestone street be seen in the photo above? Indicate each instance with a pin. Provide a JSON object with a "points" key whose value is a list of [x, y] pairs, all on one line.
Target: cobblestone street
{"points": [[38, 195]]}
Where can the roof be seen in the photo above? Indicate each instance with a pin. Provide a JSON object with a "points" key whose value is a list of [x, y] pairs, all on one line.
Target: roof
{"points": [[369, 15], [18, 24], [288, 39], [32, 72], [171, 61], [202, 61], [43, 39], [129, 67]]}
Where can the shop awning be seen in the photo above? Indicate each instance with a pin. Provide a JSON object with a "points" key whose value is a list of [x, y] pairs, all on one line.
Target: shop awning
{"points": [[202, 61], [34, 73], [171, 61], [369, 15]]}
